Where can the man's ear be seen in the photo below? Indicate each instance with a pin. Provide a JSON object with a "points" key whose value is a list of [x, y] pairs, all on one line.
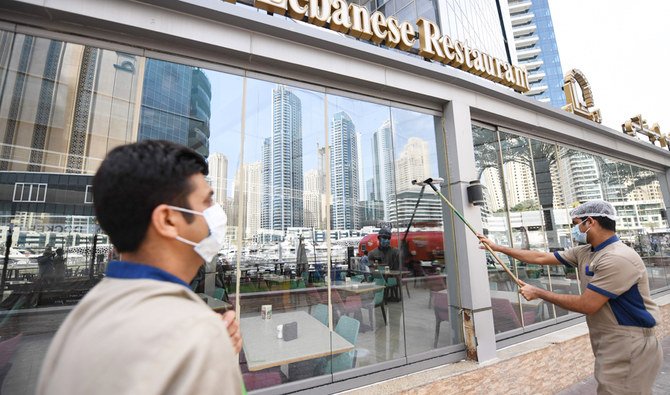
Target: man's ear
{"points": [[164, 221]]}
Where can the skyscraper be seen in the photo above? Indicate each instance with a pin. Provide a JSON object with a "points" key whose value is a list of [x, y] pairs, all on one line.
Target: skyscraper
{"points": [[412, 164], [312, 197], [266, 177], [536, 49], [344, 172], [218, 177], [282, 163], [176, 105], [382, 153], [66, 102], [248, 197]]}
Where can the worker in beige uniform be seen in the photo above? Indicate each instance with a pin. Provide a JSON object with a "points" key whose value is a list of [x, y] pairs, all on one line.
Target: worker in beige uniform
{"points": [[615, 297], [142, 330]]}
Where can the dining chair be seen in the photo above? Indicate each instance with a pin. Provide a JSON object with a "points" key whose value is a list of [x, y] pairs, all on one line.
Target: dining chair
{"points": [[378, 302], [320, 312], [347, 327], [441, 308]]}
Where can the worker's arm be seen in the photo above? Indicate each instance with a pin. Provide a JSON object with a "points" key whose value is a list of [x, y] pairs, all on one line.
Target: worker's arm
{"points": [[587, 303], [528, 256]]}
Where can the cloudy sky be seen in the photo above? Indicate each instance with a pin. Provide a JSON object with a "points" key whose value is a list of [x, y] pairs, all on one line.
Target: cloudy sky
{"points": [[623, 48]]}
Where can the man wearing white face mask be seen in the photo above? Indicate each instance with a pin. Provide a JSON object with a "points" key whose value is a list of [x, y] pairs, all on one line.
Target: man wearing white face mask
{"points": [[141, 330], [615, 297]]}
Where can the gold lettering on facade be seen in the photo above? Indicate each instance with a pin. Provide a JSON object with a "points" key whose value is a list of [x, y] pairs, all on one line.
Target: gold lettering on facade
{"points": [[319, 12], [378, 22], [297, 9], [393, 33], [360, 22], [579, 97], [407, 35], [339, 20], [356, 21]]}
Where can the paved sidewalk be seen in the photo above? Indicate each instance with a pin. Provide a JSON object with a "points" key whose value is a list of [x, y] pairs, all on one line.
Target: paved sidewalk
{"points": [[661, 386]]}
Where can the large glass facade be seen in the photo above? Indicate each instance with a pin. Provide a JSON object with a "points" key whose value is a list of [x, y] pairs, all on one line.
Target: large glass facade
{"points": [[536, 49], [307, 177], [530, 186]]}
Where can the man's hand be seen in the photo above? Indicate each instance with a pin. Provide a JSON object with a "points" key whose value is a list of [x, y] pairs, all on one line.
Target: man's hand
{"points": [[529, 292], [484, 240], [233, 330]]}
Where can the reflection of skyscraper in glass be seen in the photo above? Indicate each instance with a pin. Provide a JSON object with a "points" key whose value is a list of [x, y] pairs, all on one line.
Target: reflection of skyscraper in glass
{"points": [[248, 198], [286, 179], [64, 102], [312, 200], [536, 49], [218, 177], [382, 152], [412, 164], [581, 176], [175, 105], [344, 172], [266, 199]]}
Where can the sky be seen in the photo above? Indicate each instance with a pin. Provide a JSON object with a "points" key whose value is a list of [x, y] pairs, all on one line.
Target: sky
{"points": [[623, 49]]}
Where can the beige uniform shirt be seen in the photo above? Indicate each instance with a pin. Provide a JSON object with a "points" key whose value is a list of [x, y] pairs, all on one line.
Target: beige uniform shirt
{"points": [[141, 336], [614, 270]]}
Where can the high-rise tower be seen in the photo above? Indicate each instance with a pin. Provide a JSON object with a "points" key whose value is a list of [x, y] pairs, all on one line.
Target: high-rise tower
{"points": [[536, 49], [344, 172]]}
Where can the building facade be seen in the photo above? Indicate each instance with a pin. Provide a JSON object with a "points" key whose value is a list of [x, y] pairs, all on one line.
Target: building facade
{"points": [[275, 86], [536, 49]]}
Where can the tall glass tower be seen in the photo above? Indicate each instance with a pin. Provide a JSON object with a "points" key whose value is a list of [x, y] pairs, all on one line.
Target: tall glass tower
{"points": [[176, 105], [344, 172], [286, 150], [536, 49]]}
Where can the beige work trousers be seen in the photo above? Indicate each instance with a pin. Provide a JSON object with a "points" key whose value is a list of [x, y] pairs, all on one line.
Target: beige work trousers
{"points": [[627, 360]]}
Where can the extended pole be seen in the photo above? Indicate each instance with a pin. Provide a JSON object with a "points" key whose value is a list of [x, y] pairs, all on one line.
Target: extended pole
{"points": [[429, 181]]}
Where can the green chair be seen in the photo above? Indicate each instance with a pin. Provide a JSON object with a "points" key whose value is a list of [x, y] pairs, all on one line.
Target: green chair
{"points": [[219, 293], [378, 302], [320, 312], [347, 327], [358, 278]]}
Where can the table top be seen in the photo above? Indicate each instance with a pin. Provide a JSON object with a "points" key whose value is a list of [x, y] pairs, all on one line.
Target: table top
{"points": [[263, 350], [358, 288], [215, 304]]}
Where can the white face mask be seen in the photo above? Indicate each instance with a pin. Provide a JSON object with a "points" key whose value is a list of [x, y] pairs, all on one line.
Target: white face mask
{"points": [[216, 220]]}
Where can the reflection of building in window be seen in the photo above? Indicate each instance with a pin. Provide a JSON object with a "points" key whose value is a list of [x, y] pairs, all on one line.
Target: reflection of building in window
{"points": [[520, 185], [218, 177], [429, 210], [251, 196], [68, 105], [495, 201], [312, 197], [344, 173], [382, 151], [412, 164], [581, 177], [176, 105], [35, 193], [282, 204]]}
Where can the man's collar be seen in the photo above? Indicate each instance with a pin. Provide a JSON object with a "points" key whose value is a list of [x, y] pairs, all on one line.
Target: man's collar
{"points": [[131, 270], [605, 243]]}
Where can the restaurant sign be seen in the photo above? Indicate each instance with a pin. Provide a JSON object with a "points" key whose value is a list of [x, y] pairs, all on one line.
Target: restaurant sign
{"points": [[356, 21]]}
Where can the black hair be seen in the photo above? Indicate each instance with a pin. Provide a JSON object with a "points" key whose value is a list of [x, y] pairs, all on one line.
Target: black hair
{"points": [[604, 222], [134, 179]]}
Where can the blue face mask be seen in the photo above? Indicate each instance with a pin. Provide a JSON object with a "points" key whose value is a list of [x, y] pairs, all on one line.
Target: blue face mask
{"points": [[578, 235], [384, 243]]}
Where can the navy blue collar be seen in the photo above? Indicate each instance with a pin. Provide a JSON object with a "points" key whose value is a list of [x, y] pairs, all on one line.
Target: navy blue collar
{"points": [[130, 270], [605, 243]]}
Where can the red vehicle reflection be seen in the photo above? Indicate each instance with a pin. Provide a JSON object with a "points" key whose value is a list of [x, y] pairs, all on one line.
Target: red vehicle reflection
{"points": [[426, 246]]}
